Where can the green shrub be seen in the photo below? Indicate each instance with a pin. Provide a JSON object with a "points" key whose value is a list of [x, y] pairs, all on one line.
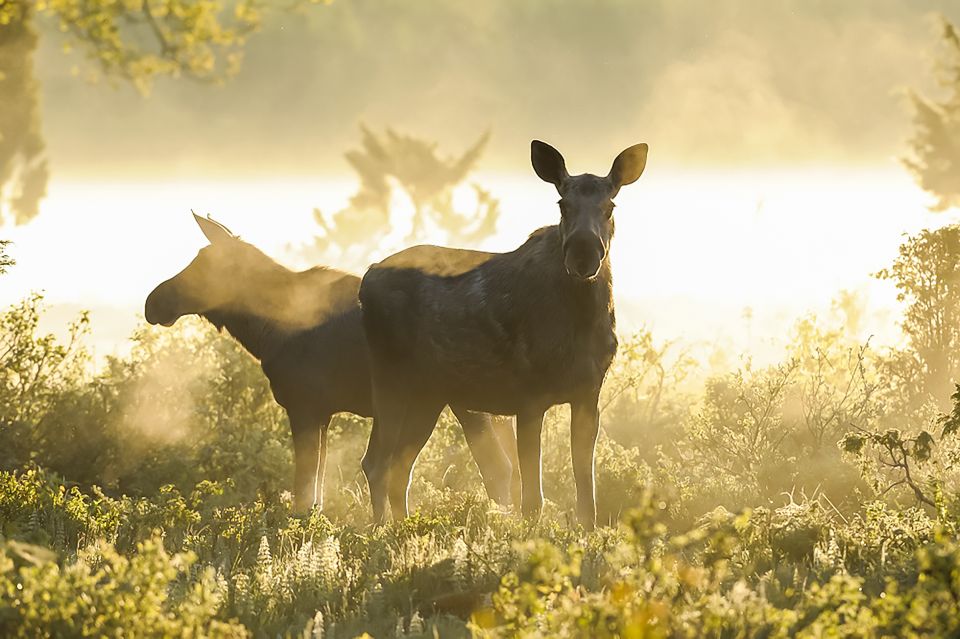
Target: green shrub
{"points": [[103, 593]]}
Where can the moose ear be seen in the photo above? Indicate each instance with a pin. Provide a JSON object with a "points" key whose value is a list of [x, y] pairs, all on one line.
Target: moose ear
{"points": [[214, 231], [548, 163], [628, 166]]}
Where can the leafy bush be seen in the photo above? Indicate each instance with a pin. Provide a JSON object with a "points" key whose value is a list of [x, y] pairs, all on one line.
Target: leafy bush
{"points": [[761, 434], [102, 593]]}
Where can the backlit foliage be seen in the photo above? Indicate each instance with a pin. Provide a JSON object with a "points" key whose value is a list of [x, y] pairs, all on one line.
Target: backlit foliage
{"points": [[140, 40], [927, 276]]}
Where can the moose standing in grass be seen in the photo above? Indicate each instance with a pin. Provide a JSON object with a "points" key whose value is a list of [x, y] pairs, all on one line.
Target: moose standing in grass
{"points": [[506, 333], [305, 329]]}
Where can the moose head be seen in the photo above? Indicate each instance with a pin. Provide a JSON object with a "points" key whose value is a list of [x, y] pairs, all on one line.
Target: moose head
{"points": [[208, 283], [586, 204]]}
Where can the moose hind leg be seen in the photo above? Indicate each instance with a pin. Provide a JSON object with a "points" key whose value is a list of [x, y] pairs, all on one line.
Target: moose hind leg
{"points": [[390, 412], [492, 460], [374, 465], [417, 428]]}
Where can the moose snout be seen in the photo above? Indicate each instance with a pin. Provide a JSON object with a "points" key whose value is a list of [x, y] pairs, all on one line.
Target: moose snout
{"points": [[583, 256], [158, 310]]}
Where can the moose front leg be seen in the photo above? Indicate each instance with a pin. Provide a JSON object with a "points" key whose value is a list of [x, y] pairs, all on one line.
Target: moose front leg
{"points": [[584, 427], [529, 425], [420, 422], [507, 436], [307, 458]]}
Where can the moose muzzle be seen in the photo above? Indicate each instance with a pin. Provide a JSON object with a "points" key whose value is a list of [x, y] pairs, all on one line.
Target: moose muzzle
{"points": [[583, 254]]}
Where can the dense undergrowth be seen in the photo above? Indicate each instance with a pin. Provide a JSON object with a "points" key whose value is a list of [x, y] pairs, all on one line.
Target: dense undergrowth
{"points": [[147, 495]]}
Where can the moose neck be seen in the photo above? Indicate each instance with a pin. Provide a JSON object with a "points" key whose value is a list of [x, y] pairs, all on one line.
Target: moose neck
{"points": [[282, 304], [257, 334], [596, 295]]}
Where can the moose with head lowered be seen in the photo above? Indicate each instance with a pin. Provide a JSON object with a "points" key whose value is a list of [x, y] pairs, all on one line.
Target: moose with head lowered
{"points": [[305, 330], [508, 333]]}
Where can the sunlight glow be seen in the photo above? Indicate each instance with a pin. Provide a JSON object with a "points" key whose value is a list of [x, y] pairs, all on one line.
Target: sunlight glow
{"points": [[692, 251]]}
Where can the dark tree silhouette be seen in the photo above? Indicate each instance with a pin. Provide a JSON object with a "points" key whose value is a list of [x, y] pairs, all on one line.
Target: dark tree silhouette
{"points": [[415, 167]]}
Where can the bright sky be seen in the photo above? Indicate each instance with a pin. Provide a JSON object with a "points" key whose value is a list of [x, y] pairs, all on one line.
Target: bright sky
{"points": [[692, 250]]}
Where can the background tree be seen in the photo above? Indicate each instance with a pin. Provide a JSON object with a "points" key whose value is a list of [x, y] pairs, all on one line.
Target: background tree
{"points": [[927, 276], [131, 42], [23, 167], [392, 162], [935, 146]]}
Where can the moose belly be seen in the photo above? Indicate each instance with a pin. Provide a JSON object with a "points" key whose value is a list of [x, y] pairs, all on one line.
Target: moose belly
{"points": [[505, 376]]}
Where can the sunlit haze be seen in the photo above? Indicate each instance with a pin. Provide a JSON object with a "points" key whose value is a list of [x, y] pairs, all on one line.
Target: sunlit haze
{"points": [[693, 250], [772, 184]]}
